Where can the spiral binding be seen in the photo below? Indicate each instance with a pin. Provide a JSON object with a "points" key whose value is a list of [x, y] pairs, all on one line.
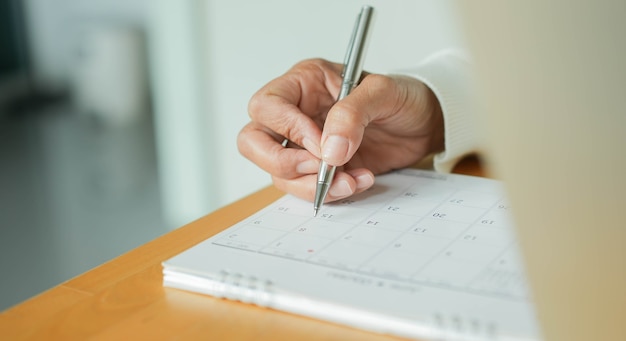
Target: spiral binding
{"points": [[252, 290], [246, 289], [470, 328]]}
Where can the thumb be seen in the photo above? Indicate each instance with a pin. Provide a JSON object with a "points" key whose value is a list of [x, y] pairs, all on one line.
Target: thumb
{"points": [[346, 121]]}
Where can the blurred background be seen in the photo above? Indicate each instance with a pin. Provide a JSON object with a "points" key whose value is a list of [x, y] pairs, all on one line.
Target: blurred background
{"points": [[118, 118]]}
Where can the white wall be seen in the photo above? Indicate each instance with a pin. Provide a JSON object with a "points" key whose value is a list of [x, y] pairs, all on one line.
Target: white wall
{"points": [[182, 121], [244, 44]]}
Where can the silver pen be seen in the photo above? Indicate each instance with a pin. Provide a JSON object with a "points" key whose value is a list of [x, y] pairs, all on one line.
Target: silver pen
{"points": [[352, 67]]}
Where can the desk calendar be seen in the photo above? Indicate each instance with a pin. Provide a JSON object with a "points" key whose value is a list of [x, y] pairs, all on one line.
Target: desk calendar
{"points": [[419, 255]]}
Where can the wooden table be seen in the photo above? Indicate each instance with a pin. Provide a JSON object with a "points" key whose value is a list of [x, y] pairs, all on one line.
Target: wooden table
{"points": [[124, 299]]}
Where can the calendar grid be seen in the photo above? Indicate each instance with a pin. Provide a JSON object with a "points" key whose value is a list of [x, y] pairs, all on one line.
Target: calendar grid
{"points": [[456, 237]]}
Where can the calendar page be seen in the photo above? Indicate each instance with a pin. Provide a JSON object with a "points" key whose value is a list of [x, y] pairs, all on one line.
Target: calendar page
{"points": [[442, 242]]}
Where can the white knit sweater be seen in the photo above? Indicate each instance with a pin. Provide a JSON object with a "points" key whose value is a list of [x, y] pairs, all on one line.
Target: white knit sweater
{"points": [[448, 75]]}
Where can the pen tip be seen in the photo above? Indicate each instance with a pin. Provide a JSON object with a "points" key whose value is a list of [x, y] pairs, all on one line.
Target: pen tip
{"points": [[315, 212]]}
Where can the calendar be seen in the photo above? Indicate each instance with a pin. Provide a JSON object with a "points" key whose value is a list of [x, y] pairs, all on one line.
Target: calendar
{"points": [[424, 237]]}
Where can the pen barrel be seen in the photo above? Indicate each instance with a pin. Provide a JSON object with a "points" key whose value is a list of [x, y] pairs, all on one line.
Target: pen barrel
{"points": [[353, 66], [324, 179], [355, 56], [345, 89], [326, 172]]}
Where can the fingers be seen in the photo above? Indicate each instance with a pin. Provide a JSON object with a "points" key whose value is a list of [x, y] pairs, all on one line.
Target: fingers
{"points": [[285, 119], [346, 121], [344, 184], [295, 104], [401, 105], [290, 167], [294, 170], [265, 149]]}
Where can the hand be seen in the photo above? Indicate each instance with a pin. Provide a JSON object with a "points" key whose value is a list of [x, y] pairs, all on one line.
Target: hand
{"points": [[387, 122]]}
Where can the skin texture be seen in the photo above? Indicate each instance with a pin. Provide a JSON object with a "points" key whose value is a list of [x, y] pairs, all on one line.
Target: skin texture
{"points": [[387, 122]]}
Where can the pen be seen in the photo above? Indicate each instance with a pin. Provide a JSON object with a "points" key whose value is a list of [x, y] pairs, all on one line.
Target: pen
{"points": [[353, 65]]}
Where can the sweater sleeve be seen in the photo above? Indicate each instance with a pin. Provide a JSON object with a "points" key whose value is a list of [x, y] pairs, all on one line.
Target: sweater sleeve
{"points": [[447, 74]]}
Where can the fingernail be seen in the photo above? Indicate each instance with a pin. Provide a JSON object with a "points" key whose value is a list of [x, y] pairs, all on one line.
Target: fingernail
{"points": [[335, 149], [311, 146], [364, 181], [340, 189], [307, 167]]}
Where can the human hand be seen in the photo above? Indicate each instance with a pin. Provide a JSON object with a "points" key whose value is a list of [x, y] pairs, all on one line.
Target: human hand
{"points": [[387, 122]]}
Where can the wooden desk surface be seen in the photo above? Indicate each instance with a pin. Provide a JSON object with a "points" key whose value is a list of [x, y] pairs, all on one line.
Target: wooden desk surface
{"points": [[125, 299]]}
